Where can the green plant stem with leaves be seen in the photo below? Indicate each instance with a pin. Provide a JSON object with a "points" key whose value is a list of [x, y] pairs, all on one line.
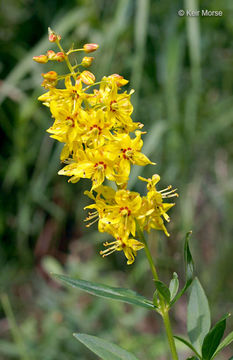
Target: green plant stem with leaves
{"points": [[204, 342], [163, 309]]}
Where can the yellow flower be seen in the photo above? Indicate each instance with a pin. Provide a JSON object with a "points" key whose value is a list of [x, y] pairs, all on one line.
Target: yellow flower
{"points": [[117, 105], [94, 128], [118, 211], [90, 164], [64, 128], [128, 151], [129, 246], [72, 94], [153, 208]]}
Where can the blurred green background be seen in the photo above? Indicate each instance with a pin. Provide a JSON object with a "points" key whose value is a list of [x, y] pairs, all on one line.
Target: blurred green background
{"points": [[181, 69]]}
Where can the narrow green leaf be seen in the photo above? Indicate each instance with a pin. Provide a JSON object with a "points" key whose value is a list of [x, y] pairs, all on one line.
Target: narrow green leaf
{"points": [[163, 290], [213, 338], [174, 285], [192, 358], [198, 317], [227, 341], [105, 291], [104, 349], [187, 343], [156, 299], [189, 267]]}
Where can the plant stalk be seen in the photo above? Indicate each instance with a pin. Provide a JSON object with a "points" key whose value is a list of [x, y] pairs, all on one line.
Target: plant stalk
{"points": [[66, 59], [163, 307]]}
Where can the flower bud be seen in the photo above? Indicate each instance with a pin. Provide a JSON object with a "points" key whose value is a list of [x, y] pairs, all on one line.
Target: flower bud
{"points": [[86, 61], [60, 56], [51, 54], [87, 77], [42, 59], [90, 47], [50, 79], [51, 75], [53, 37], [120, 81]]}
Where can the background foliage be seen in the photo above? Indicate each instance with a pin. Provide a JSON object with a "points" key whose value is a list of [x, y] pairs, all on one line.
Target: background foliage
{"points": [[181, 69]]}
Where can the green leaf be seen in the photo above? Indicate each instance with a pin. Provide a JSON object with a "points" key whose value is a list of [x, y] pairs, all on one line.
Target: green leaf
{"points": [[104, 349], [156, 298], [213, 338], [105, 291], [192, 358], [189, 267], [228, 339], [174, 285], [187, 343], [198, 317], [163, 290]]}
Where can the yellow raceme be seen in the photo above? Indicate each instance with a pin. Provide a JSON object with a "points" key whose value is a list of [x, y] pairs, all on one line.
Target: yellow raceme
{"points": [[101, 141]]}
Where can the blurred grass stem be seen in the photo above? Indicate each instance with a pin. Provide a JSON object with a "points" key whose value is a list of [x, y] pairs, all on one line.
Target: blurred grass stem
{"points": [[14, 328]]}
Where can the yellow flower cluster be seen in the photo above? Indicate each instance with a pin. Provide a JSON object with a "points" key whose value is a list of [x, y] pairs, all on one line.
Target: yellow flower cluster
{"points": [[101, 141]]}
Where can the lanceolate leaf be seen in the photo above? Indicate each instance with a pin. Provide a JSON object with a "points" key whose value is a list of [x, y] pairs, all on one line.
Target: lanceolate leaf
{"points": [[198, 319], [187, 343], [104, 349], [163, 290], [105, 291], [189, 266], [228, 339], [213, 338], [174, 285]]}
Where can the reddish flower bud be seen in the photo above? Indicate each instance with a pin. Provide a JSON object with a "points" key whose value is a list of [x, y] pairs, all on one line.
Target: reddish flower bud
{"points": [[51, 75], [60, 56], [42, 59], [120, 81], [53, 37], [51, 54], [90, 47], [87, 77], [87, 61]]}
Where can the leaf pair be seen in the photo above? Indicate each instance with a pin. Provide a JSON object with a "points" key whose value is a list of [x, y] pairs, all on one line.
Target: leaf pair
{"points": [[205, 343], [189, 268], [170, 294]]}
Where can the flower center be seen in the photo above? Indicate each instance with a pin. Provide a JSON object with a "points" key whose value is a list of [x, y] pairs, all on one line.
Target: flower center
{"points": [[96, 127], [100, 166], [127, 153], [125, 211], [112, 106], [70, 121]]}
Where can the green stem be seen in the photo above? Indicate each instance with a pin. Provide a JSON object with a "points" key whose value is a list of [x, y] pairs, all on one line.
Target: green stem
{"points": [[163, 307], [150, 260], [67, 60], [14, 328], [167, 324], [74, 50]]}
